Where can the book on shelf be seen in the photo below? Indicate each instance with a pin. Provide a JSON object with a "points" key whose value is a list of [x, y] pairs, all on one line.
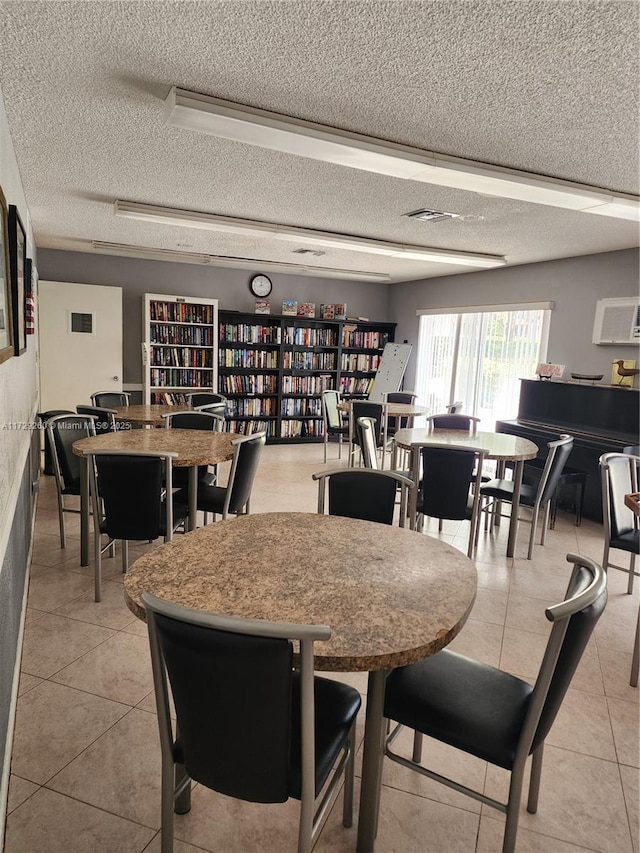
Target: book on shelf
{"points": [[306, 309], [340, 310], [289, 308], [327, 312], [263, 306]]}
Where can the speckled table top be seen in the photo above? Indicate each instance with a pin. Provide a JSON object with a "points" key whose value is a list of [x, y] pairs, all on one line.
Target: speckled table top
{"points": [[193, 446], [391, 596], [392, 409], [147, 414], [499, 445]]}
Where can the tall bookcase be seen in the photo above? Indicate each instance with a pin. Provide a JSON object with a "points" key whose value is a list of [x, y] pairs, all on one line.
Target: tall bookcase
{"points": [[180, 347], [274, 369]]}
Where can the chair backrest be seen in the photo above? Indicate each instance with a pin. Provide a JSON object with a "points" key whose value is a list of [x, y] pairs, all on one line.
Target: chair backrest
{"points": [[110, 399], [205, 398], [558, 453], [361, 409], [132, 486], [399, 397], [233, 686], [466, 423], [62, 431], [362, 493], [330, 410], [367, 428], [444, 474], [246, 455], [573, 622], [195, 420], [619, 472], [104, 418]]}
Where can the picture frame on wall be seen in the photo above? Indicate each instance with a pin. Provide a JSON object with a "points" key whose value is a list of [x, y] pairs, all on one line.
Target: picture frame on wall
{"points": [[17, 269], [6, 317]]}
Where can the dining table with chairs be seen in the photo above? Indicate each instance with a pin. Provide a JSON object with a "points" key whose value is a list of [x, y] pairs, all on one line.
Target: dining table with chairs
{"points": [[192, 448], [390, 597], [501, 447]]}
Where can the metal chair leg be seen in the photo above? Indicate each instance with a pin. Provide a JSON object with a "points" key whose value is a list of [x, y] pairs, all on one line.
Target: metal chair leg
{"points": [[635, 662], [632, 571], [417, 747], [534, 781]]}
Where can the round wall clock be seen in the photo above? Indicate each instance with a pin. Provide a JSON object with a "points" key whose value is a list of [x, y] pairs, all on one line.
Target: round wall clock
{"points": [[260, 285]]}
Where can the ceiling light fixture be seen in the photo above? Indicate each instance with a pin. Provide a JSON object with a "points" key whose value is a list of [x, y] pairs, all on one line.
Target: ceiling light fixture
{"points": [[253, 228], [266, 129], [150, 253]]}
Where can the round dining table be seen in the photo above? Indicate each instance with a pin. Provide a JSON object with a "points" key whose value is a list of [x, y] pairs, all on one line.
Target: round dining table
{"points": [[193, 447], [147, 414], [390, 596], [498, 445]]}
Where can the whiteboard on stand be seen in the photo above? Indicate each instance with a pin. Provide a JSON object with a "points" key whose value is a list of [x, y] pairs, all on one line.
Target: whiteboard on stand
{"points": [[390, 371]]}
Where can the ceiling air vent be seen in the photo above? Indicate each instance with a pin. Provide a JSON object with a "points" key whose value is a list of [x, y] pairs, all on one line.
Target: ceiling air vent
{"points": [[431, 215], [317, 253]]}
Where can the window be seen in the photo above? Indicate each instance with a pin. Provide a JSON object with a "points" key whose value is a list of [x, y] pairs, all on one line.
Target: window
{"points": [[478, 356]]}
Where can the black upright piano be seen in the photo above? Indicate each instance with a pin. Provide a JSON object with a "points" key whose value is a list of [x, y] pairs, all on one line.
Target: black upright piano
{"points": [[601, 418]]}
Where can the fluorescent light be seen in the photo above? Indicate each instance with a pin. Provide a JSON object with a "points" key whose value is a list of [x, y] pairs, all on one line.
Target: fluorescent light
{"points": [[265, 129], [148, 252], [253, 228]]}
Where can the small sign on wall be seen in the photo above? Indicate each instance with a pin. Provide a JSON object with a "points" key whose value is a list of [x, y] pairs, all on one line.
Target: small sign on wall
{"points": [[83, 323]]}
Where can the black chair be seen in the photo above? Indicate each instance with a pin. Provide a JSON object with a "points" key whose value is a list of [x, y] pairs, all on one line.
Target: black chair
{"points": [[619, 472], [360, 409], [110, 399], [332, 420], [104, 419], [364, 493], [195, 420], [448, 486], [236, 495], [62, 431], [43, 418], [489, 713], [536, 496], [132, 500], [453, 421], [395, 423], [206, 398], [248, 724]]}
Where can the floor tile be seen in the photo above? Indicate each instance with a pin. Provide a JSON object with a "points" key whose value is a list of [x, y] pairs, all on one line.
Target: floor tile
{"points": [[119, 669], [27, 682], [50, 822], [616, 672], [50, 589], [54, 724], [480, 640], [624, 721], [491, 836], [119, 771], [583, 725], [19, 791], [54, 642], [581, 801], [178, 847], [632, 800], [111, 611], [47, 552]]}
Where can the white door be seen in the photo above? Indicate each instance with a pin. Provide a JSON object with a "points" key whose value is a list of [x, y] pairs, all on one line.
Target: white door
{"points": [[80, 328]]}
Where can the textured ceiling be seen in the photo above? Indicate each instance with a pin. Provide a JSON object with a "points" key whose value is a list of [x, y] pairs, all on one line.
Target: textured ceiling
{"points": [[545, 87]]}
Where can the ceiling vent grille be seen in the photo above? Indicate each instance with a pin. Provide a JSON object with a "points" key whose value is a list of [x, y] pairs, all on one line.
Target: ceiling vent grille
{"points": [[427, 215], [317, 253]]}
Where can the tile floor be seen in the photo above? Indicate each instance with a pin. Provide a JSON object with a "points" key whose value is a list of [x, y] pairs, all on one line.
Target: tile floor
{"points": [[86, 767]]}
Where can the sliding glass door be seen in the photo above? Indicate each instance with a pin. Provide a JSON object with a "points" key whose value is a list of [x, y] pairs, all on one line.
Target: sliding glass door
{"points": [[478, 358]]}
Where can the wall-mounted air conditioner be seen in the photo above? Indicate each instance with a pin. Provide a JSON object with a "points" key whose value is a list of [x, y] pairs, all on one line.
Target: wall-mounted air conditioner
{"points": [[617, 321]]}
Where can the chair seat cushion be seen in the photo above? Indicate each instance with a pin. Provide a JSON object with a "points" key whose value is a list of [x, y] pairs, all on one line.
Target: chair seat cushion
{"points": [[210, 498], [629, 541], [467, 704], [336, 707], [503, 490]]}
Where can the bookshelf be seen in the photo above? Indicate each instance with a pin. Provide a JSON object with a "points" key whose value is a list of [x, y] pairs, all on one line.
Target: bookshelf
{"points": [[274, 369], [180, 347]]}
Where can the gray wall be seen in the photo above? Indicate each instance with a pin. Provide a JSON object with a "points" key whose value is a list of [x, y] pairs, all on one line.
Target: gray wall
{"points": [[18, 404], [574, 284], [229, 286]]}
